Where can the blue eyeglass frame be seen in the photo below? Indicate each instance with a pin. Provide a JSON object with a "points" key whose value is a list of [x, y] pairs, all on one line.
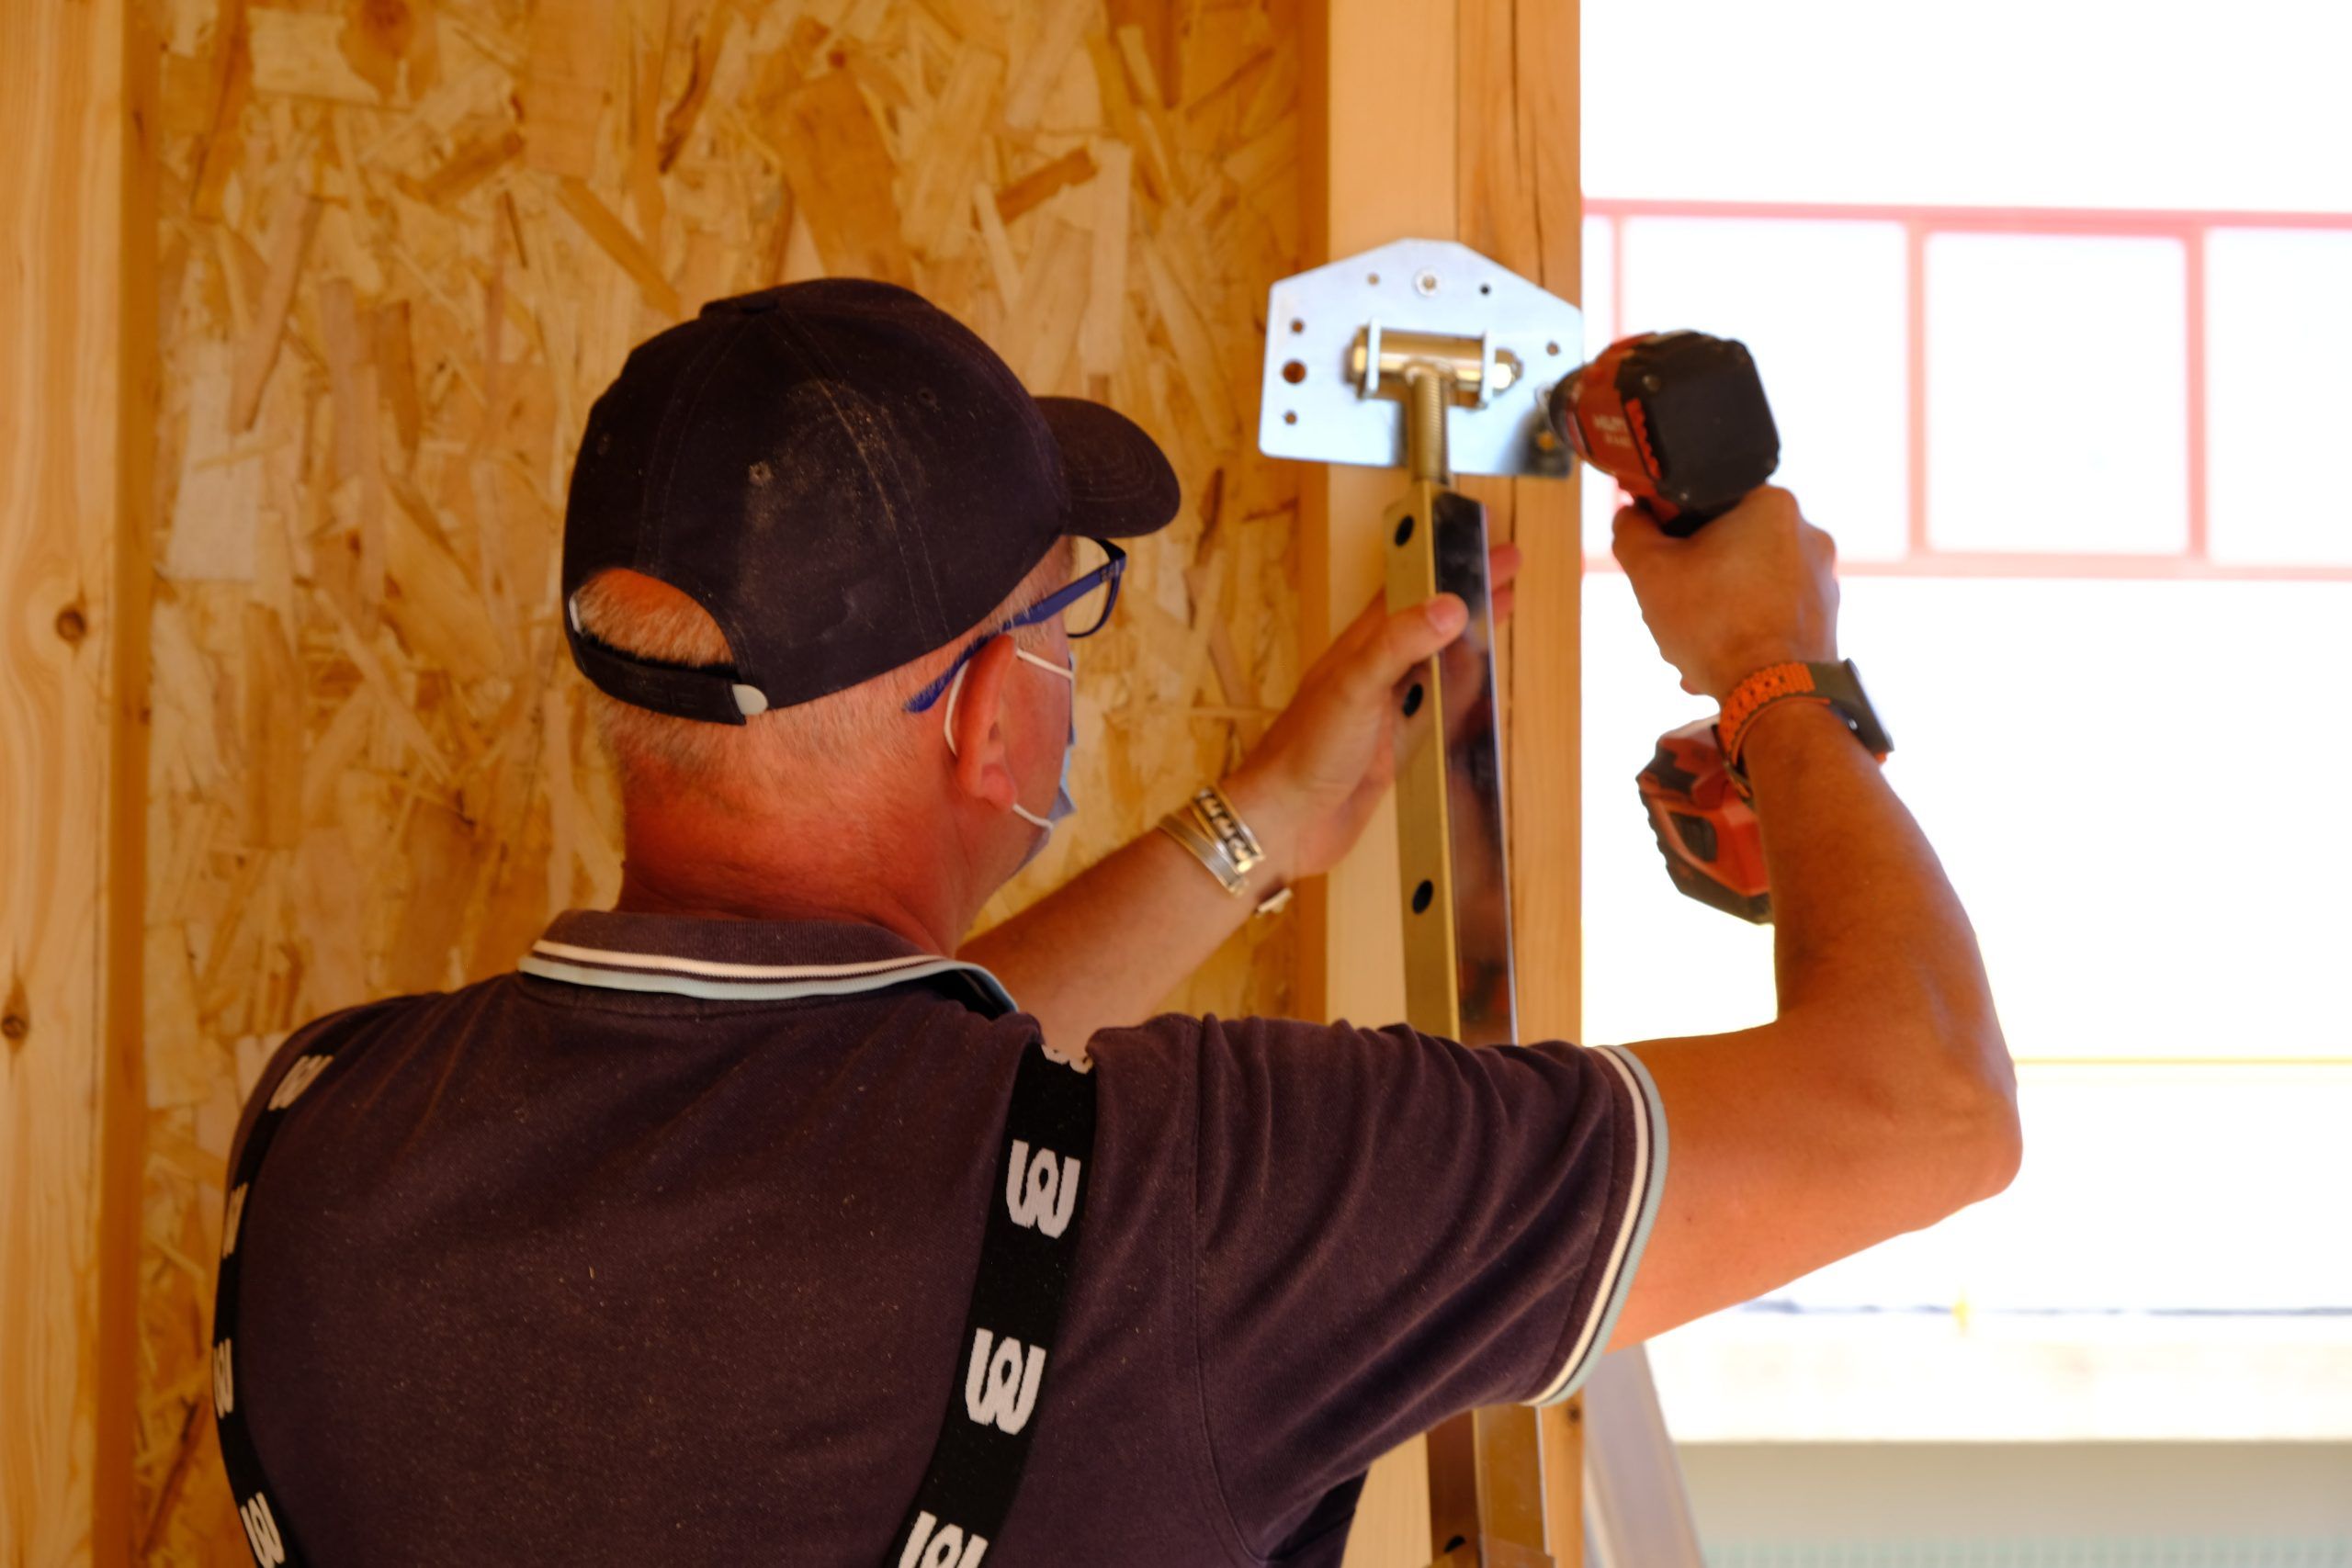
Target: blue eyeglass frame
{"points": [[1106, 576]]}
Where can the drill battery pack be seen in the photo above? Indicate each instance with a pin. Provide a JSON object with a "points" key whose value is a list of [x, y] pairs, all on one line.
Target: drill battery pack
{"points": [[1706, 829]]}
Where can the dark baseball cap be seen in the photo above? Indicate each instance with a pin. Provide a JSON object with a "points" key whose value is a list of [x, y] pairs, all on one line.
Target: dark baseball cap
{"points": [[845, 477]]}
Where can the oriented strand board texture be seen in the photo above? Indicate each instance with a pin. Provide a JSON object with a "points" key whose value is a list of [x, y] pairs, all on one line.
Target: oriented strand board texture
{"points": [[403, 246]]}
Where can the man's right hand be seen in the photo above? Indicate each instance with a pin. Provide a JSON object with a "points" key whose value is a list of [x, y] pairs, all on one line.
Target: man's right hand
{"points": [[1756, 587]]}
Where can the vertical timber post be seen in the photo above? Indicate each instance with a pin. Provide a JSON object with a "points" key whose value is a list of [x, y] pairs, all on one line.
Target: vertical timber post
{"points": [[1377, 123], [1454, 120], [78, 306], [1521, 203]]}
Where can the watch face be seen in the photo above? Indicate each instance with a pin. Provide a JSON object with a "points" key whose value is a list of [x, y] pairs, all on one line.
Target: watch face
{"points": [[1845, 685]]}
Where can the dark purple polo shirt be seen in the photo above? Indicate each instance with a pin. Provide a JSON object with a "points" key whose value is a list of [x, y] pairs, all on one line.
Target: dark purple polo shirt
{"points": [[659, 1251]]}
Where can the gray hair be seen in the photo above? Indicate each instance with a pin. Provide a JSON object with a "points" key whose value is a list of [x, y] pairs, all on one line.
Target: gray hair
{"points": [[859, 724]]}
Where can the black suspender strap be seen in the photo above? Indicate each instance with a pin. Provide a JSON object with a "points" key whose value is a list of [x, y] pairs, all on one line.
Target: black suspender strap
{"points": [[1028, 1253], [264, 1523], [1027, 1256]]}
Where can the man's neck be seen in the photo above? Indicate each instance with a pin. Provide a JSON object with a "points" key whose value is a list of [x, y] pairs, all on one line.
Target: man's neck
{"points": [[683, 863]]}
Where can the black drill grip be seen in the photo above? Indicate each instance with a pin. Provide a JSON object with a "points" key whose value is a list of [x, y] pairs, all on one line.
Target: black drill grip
{"points": [[1678, 419]]}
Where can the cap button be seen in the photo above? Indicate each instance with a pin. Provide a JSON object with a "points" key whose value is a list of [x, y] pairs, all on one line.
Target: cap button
{"points": [[760, 305]]}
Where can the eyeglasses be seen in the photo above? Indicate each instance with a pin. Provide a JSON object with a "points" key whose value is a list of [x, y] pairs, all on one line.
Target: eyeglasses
{"points": [[1083, 606]]}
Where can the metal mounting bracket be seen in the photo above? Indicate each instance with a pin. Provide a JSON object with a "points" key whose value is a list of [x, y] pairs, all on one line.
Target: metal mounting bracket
{"points": [[1329, 331]]}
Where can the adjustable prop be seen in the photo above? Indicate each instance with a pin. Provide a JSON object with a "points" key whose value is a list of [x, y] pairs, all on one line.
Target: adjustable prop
{"points": [[1424, 354]]}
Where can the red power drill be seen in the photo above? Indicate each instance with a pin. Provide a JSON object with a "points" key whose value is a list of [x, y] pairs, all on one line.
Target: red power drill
{"points": [[1680, 419]]}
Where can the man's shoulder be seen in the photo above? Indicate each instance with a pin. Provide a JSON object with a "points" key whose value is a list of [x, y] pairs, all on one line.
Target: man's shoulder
{"points": [[1179, 1058], [324, 1036], [1192, 1026], [1298, 1062], [1255, 1032]]}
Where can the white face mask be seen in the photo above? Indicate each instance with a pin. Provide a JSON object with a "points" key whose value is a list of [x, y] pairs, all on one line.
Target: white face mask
{"points": [[1063, 805]]}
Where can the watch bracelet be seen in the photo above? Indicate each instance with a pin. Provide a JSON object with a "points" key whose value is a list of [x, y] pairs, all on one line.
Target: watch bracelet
{"points": [[1217, 816], [1775, 684], [1208, 826], [1182, 826], [1754, 692]]}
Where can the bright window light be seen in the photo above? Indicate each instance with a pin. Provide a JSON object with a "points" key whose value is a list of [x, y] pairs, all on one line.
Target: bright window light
{"points": [[2278, 325], [1598, 499], [1820, 305], [2025, 103], [2103, 606], [2057, 393]]}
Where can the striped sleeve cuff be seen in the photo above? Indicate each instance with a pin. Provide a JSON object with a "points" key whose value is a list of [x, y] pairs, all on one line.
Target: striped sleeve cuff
{"points": [[1632, 1231]]}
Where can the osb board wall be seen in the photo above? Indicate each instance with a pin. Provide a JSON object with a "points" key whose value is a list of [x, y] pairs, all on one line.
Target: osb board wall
{"points": [[403, 246]]}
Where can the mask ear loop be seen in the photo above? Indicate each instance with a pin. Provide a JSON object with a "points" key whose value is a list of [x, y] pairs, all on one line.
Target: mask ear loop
{"points": [[1069, 673], [956, 689]]}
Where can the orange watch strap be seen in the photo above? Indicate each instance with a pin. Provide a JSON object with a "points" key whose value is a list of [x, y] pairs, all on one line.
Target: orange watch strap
{"points": [[1774, 683]]}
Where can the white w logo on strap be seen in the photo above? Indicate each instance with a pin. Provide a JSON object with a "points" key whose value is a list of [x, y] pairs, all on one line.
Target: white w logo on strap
{"points": [[1078, 1063], [998, 1388], [261, 1532], [231, 1220], [948, 1549], [224, 1381], [1040, 1193], [299, 1077]]}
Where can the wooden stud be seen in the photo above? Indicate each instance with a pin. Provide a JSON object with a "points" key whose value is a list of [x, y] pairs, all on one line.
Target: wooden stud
{"points": [[1453, 121], [78, 109]]}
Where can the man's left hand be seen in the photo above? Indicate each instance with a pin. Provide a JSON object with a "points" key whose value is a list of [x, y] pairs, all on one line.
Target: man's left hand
{"points": [[1309, 786]]}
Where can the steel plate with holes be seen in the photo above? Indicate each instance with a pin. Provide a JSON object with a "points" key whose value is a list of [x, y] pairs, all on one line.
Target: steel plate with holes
{"points": [[1313, 410]]}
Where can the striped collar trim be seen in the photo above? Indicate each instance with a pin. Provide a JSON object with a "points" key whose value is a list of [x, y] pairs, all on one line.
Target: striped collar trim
{"points": [[631, 969]]}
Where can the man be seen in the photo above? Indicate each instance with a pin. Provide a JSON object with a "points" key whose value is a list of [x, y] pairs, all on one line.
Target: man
{"points": [[675, 1244]]}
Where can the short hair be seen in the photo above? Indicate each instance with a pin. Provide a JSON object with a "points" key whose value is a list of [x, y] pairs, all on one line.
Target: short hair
{"points": [[645, 616]]}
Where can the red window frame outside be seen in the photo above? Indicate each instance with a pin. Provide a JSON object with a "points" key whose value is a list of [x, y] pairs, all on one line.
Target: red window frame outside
{"points": [[1922, 559]]}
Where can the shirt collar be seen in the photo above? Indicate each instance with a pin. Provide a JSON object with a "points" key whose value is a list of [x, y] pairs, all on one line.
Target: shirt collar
{"points": [[728, 960]]}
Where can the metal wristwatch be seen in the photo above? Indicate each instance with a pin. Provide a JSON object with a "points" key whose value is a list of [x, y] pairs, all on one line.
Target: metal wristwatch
{"points": [[1209, 827]]}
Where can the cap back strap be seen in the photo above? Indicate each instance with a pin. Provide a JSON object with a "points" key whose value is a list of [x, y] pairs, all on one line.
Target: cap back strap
{"points": [[711, 693]]}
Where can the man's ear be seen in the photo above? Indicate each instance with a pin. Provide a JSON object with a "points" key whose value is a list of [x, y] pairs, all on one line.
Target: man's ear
{"points": [[982, 770]]}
